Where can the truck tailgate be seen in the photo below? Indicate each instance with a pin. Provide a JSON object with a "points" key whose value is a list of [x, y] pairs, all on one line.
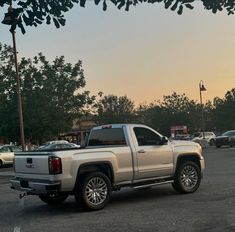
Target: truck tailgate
{"points": [[34, 163]]}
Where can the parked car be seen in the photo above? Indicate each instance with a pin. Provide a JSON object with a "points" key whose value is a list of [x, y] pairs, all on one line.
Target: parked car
{"points": [[7, 154], [56, 146], [208, 135], [181, 137], [227, 138]]}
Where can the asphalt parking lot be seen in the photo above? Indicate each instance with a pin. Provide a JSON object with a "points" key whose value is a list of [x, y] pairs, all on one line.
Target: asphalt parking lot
{"points": [[211, 208]]}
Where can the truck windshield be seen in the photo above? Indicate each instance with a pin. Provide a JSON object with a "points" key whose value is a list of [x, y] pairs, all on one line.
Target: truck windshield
{"points": [[107, 137]]}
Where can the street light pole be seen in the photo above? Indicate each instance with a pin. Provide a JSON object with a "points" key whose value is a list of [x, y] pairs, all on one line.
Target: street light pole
{"points": [[202, 88], [12, 18], [19, 94]]}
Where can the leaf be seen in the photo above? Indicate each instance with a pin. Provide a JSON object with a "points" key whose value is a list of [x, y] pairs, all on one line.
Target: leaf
{"points": [[104, 5], [56, 23], [82, 3], [128, 3], [62, 21], [189, 6], [121, 4], [174, 6], [97, 2], [180, 11], [168, 3], [48, 18], [38, 21]]}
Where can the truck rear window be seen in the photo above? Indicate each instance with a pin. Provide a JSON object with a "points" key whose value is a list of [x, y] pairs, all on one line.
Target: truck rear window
{"points": [[107, 137]]}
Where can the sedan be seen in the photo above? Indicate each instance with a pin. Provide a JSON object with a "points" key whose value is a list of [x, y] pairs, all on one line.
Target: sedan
{"points": [[7, 154], [227, 138], [58, 146]]}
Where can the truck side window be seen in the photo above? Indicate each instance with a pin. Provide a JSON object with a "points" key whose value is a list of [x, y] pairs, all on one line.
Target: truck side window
{"points": [[146, 137], [107, 137]]}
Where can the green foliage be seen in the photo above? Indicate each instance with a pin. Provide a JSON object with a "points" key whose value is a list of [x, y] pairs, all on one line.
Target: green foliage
{"points": [[224, 111], [173, 110], [113, 109], [51, 100], [34, 12]]}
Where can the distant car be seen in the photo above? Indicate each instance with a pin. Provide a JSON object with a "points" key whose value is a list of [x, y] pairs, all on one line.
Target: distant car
{"points": [[208, 135], [227, 138], [58, 146], [56, 142], [7, 154], [182, 137]]}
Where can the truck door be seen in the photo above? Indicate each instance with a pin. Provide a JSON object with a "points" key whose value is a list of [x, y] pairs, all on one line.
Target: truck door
{"points": [[153, 158]]}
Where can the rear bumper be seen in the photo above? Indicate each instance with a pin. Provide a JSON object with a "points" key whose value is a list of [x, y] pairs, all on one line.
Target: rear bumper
{"points": [[35, 187]]}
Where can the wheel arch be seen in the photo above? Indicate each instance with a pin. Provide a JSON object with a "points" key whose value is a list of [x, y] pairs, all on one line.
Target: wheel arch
{"points": [[188, 157], [98, 166]]}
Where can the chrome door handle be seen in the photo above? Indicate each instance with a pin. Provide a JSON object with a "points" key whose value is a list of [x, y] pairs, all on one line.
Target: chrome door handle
{"points": [[141, 151]]}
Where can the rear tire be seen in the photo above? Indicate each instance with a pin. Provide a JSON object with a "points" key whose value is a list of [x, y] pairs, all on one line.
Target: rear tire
{"points": [[94, 191], [54, 199], [187, 178], [1, 164]]}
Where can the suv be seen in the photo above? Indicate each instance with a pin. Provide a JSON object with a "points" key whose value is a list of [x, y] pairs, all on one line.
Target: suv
{"points": [[209, 136]]}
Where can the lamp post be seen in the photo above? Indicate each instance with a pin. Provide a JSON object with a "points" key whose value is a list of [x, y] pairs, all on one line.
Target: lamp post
{"points": [[201, 89], [11, 18]]}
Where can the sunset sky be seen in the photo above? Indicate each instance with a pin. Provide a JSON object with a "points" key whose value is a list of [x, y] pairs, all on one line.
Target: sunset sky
{"points": [[145, 53]]}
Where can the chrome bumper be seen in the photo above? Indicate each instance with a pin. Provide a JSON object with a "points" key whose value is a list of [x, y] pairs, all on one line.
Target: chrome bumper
{"points": [[35, 187]]}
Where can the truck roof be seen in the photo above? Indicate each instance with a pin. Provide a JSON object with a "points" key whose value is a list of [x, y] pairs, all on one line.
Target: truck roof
{"points": [[117, 125]]}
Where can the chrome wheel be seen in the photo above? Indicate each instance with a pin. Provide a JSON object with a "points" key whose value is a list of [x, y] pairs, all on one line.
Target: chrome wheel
{"points": [[96, 191], [189, 177]]}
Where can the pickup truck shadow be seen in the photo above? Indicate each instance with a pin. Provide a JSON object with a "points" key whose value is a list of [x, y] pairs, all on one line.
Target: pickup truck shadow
{"points": [[119, 198], [141, 195]]}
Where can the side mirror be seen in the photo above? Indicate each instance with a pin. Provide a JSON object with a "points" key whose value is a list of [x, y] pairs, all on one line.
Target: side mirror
{"points": [[164, 140]]}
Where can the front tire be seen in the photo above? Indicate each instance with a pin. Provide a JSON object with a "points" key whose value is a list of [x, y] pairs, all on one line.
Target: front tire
{"points": [[94, 191], [187, 178], [54, 199]]}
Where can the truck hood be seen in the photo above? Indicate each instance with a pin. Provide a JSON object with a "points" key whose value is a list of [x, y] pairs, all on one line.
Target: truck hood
{"points": [[180, 143]]}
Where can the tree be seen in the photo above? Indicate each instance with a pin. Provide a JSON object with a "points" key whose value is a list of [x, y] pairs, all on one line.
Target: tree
{"points": [[50, 92], [114, 109], [223, 113], [175, 109], [34, 12]]}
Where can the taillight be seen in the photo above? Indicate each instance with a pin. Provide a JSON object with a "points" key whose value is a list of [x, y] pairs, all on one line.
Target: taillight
{"points": [[55, 165]]}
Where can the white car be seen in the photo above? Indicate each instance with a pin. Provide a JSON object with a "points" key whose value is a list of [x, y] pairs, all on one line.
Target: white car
{"points": [[209, 136], [7, 154]]}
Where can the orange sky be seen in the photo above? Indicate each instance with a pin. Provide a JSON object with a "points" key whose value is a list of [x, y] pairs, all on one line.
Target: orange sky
{"points": [[145, 53]]}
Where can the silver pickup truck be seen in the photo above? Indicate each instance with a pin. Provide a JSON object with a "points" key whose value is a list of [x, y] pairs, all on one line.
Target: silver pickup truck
{"points": [[116, 156]]}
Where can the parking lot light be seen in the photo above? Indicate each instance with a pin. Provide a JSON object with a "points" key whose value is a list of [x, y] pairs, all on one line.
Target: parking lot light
{"points": [[201, 89]]}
